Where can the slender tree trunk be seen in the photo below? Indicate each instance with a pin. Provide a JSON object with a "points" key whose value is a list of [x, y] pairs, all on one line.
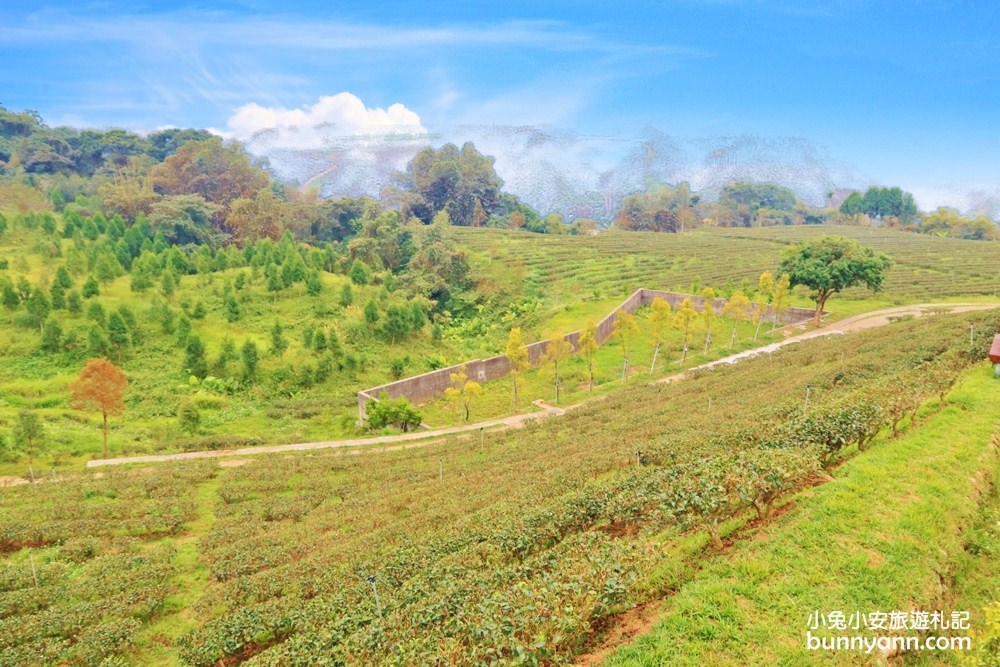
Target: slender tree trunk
{"points": [[708, 341], [820, 303], [590, 370], [105, 415], [656, 351], [732, 339], [760, 320]]}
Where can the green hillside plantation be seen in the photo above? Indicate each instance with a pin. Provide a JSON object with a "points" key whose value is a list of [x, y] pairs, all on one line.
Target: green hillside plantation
{"points": [[727, 495], [612, 263], [269, 341]]}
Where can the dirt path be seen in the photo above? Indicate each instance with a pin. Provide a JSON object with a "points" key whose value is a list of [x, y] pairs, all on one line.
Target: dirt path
{"points": [[858, 322], [433, 434], [875, 318]]}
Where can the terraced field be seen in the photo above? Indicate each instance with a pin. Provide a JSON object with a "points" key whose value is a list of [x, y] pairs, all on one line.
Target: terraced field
{"points": [[509, 552], [615, 263], [925, 266]]}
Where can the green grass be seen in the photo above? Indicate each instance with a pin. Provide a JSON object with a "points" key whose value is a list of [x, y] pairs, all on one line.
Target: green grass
{"points": [[538, 382], [275, 408], [546, 284], [564, 269], [190, 582], [880, 537]]}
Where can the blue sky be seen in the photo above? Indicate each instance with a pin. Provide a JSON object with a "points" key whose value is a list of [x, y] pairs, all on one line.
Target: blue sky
{"points": [[895, 93]]}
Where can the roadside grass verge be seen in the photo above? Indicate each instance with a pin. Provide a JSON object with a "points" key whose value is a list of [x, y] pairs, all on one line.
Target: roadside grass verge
{"points": [[887, 534], [976, 585]]}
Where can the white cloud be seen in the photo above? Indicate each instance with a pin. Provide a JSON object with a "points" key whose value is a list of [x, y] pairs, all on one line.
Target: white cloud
{"points": [[330, 119], [338, 142], [967, 198]]}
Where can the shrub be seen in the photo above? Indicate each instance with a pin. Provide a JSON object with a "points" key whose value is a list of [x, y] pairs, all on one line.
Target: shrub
{"points": [[189, 418], [360, 273], [760, 476], [393, 412]]}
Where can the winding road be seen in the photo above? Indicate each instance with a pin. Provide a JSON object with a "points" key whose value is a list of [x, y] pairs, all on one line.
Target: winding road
{"points": [[856, 323]]}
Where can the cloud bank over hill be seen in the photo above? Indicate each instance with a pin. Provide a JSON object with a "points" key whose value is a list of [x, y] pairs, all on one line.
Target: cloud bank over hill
{"points": [[334, 116], [346, 148], [337, 143]]}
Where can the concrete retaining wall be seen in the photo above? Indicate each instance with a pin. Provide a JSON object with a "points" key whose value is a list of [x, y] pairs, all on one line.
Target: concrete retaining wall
{"points": [[426, 386]]}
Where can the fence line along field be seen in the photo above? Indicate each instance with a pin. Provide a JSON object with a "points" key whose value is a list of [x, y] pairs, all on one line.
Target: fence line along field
{"points": [[514, 551]]}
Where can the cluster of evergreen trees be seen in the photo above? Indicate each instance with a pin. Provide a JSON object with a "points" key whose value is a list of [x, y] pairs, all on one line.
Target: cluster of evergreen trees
{"points": [[82, 255]]}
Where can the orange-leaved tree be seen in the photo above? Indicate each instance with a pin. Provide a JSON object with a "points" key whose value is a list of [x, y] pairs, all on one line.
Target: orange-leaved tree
{"points": [[100, 386]]}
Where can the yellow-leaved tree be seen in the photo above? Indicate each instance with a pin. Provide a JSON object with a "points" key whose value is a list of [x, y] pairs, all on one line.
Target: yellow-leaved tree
{"points": [[517, 355], [556, 351], [765, 286], [659, 321], [587, 346], [780, 298], [682, 320], [463, 390], [708, 314], [624, 331], [736, 310]]}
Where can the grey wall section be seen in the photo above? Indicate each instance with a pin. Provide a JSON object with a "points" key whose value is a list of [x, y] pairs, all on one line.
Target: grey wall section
{"points": [[424, 387]]}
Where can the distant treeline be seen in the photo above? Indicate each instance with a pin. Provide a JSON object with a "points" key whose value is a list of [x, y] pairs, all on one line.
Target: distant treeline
{"points": [[198, 189], [670, 208]]}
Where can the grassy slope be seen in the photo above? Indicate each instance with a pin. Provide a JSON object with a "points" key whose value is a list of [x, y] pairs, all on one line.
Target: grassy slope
{"points": [[875, 539], [538, 382], [374, 512], [272, 410], [548, 284], [613, 264]]}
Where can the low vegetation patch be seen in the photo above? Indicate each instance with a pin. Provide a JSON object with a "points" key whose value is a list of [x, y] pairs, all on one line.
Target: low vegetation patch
{"points": [[510, 549], [883, 536]]}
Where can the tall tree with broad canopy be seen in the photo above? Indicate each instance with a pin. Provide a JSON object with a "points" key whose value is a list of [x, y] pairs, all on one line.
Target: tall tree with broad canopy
{"points": [[661, 208], [831, 264], [100, 386], [217, 172], [460, 181], [747, 200], [881, 203]]}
